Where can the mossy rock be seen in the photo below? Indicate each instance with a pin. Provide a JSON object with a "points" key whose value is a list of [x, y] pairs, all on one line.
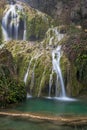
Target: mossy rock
{"points": [[37, 59], [54, 36], [12, 89], [37, 23]]}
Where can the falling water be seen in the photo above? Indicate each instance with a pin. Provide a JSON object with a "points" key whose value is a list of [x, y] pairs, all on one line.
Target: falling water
{"points": [[50, 83], [11, 23], [60, 93], [26, 76], [57, 86], [24, 35], [27, 72], [58, 34], [56, 55], [32, 78]]}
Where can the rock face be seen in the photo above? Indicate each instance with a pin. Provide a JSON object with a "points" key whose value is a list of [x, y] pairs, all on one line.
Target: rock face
{"points": [[64, 11]]}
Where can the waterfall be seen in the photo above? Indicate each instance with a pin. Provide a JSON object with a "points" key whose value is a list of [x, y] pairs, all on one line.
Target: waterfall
{"points": [[57, 86], [58, 34], [26, 76], [50, 83], [32, 79], [27, 72], [12, 23], [56, 55], [24, 34]]}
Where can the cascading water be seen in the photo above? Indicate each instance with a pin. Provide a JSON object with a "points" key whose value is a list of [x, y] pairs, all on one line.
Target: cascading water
{"points": [[24, 35], [32, 79], [56, 55], [26, 76], [60, 93], [58, 34], [50, 83], [27, 73], [13, 25]]}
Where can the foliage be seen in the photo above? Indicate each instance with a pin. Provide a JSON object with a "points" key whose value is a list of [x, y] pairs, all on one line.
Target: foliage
{"points": [[0, 34], [12, 89]]}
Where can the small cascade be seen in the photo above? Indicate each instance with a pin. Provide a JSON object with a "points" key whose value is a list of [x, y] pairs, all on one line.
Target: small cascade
{"points": [[27, 72], [58, 34], [50, 83], [26, 76], [56, 55], [57, 86], [60, 92], [13, 23], [32, 79], [24, 34]]}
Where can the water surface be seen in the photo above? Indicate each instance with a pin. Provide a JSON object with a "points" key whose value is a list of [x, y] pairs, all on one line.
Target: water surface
{"points": [[55, 107], [46, 107]]}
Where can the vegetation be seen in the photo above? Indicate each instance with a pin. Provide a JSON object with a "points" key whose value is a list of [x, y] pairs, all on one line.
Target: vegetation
{"points": [[0, 34], [37, 24], [12, 89]]}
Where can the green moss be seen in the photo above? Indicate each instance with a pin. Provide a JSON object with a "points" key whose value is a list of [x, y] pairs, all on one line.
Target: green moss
{"points": [[11, 90], [1, 37], [37, 25], [69, 71]]}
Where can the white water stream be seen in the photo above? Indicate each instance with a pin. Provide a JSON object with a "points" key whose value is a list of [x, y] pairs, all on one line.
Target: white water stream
{"points": [[12, 24]]}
